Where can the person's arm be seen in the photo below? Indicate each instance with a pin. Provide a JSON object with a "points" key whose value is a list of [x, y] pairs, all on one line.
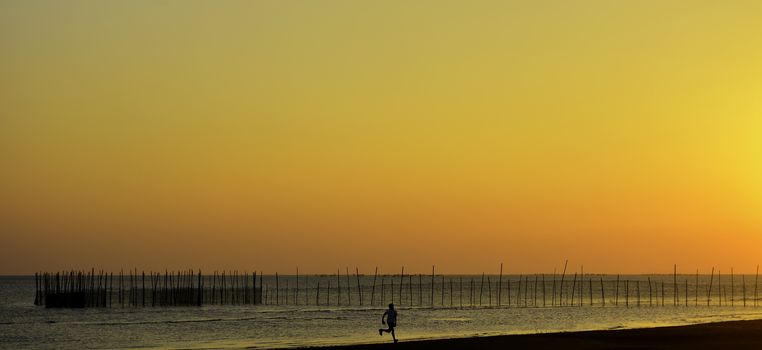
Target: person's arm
{"points": [[384, 316]]}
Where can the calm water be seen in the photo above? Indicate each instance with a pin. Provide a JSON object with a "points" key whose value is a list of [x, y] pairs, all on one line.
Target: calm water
{"points": [[25, 326]]}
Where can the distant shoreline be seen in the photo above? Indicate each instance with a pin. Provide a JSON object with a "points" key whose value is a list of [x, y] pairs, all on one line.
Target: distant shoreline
{"points": [[717, 335]]}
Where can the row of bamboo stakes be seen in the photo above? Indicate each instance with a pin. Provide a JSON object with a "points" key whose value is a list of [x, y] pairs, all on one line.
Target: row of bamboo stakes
{"points": [[77, 289]]}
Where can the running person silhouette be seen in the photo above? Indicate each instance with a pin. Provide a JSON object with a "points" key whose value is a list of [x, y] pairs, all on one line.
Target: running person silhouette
{"points": [[391, 321]]}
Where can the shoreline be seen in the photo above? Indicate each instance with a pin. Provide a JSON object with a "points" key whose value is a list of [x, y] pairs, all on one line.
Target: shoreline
{"points": [[745, 334]]}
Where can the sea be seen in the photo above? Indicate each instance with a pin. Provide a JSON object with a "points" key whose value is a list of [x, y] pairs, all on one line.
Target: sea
{"points": [[463, 306]]}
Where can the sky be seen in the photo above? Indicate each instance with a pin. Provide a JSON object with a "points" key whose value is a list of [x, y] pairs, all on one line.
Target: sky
{"points": [[625, 136]]}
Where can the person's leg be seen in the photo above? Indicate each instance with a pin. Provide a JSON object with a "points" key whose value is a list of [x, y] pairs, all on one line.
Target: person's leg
{"points": [[393, 335]]}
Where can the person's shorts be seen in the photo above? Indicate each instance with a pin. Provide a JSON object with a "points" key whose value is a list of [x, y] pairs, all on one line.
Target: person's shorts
{"points": [[392, 324]]}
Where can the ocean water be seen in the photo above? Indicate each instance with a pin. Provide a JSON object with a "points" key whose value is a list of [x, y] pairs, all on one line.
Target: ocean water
{"points": [[302, 317]]}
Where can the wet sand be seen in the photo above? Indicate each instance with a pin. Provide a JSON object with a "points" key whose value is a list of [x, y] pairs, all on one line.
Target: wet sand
{"points": [[715, 336]]}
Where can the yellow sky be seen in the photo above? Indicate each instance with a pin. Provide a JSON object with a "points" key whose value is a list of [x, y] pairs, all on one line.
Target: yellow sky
{"points": [[622, 135]]}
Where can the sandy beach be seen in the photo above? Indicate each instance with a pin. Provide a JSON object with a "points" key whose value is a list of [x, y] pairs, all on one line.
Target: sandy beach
{"points": [[721, 335]]}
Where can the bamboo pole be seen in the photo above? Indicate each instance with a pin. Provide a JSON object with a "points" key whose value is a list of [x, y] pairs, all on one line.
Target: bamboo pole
{"points": [[451, 295], [214, 287], [461, 291], [420, 289], [432, 286], [443, 290], [518, 292], [581, 284], [481, 289], [656, 293], [373, 289], [200, 291], [36, 290], [756, 283], [45, 285], [471, 293], [111, 289], [719, 286], [121, 287], [104, 287], [402, 277], [489, 291], [500, 285], [338, 288], [383, 287], [166, 289], [223, 291], [724, 294], [696, 289], [134, 286], [410, 287], [553, 297], [637, 286], [561, 287], [674, 281], [155, 277], [359, 286], [544, 299], [307, 288], [574, 289], [509, 292], [709, 291], [391, 290], [254, 288], [349, 291]]}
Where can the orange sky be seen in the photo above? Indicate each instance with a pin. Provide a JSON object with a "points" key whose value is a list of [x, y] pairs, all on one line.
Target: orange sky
{"points": [[266, 135]]}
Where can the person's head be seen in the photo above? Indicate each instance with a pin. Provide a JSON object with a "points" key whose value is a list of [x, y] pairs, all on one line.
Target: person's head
{"points": [[391, 306]]}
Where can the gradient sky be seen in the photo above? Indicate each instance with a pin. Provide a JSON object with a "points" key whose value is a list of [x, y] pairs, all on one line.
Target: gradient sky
{"points": [[622, 135]]}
